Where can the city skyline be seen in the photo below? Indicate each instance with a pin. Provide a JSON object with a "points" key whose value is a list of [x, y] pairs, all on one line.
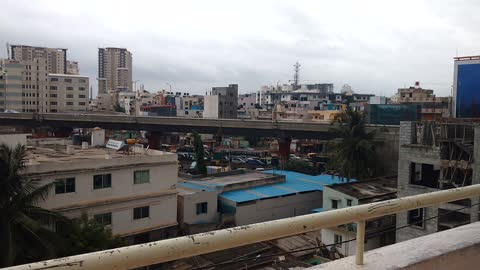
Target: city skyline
{"points": [[175, 44]]}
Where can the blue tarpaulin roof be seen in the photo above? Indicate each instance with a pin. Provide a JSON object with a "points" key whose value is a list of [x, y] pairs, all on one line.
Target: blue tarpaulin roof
{"points": [[295, 183]]}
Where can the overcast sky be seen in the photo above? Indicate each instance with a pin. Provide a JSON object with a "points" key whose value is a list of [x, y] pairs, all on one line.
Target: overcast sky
{"points": [[375, 46]]}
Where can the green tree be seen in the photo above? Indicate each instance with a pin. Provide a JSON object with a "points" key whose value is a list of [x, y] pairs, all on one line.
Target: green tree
{"points": [[85, 235], [354, 154], [301, 166], [24, 232], [199, 153]]}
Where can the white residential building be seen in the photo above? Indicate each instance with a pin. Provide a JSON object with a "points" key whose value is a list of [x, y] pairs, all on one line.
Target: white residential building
{"points": [[350, 194], [133, 192]]}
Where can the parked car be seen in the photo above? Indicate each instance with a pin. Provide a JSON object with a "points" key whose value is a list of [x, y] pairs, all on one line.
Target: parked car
{"points": [[254, 162]]}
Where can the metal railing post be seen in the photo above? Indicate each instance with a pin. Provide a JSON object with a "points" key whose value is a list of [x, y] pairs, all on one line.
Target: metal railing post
{"points": [[360, 242]]}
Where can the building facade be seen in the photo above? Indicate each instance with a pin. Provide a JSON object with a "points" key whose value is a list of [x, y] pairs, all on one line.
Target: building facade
{"points": [[466, 82], [56, 58], [67, 93], [72, 68], [189, 106], [114, 70], [26, 86], [134, 194], [222, 103], [350, 194], [432, 107]]}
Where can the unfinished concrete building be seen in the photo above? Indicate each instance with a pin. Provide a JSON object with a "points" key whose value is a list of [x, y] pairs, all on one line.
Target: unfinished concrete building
{"points": [[437, 156]]}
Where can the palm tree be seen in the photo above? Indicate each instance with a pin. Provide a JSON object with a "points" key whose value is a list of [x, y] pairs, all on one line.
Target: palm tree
{"points": [[354, 154], [24, 232]]}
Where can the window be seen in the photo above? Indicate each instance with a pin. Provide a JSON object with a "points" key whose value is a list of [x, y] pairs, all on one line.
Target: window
{"points": [[81, 96], [81, 88], [70, 96], [349, 202], [53, 88], [337, 239], [70, 103], [102, 181], [104, 219], [141, 212], [202, 208], [141, 177], [65, 185], [81, 103], [68, 80], [186, 112], [334, 204], [53, 103], [54, 79], [53, 95], [415, 217], [69, 88], [82, 81]]}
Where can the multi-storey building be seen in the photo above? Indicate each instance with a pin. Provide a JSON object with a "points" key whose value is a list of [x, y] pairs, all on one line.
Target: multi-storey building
{"points": [[72, 68], [247, 101], [67, 93], [189, 106], [26, 86], [222, 103], [133, 191], [114, 70], [437, 156], [56, 58], [433, 108]]}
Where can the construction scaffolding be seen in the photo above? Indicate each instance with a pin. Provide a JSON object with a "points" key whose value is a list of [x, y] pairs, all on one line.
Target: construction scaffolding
{"points": [[456, 143]]}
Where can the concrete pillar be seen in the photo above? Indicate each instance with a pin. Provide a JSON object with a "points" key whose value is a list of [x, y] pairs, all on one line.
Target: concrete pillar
{"points": [[284, 148], [154, 139]]}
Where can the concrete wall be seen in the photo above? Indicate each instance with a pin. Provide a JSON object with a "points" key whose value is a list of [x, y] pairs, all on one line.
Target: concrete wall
{"points": [[277, 208], [210, 109], [13, 139], [189, 207], [163, 213], [453, 249], [161, 180]]}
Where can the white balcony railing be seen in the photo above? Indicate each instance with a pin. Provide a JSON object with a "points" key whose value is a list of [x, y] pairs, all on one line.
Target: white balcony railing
{"points": [[192, 245]]}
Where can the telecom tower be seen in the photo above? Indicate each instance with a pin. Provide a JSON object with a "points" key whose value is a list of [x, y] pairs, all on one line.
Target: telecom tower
{"points": [[296, 76]]}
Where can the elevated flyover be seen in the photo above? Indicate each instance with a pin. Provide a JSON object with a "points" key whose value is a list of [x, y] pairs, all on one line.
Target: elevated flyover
{"points": [[278, 129]]}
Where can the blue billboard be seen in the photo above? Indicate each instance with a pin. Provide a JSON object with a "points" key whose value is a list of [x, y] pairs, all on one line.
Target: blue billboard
{"points": [[468, 91]]}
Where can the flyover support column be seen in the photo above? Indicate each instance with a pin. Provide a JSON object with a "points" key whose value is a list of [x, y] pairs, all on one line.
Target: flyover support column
{"points": [[284, 149], [154, 139]]}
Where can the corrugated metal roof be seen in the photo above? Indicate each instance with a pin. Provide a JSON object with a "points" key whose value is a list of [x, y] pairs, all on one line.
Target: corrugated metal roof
{"points": [[295, 183], [195, 186]]}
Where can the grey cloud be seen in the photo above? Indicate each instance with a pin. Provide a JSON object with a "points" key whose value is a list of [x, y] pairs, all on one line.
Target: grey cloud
{"points": [[376, 50]]}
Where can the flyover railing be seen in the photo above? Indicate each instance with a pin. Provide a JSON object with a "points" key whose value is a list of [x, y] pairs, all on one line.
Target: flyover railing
{"points": [[192, 245]]}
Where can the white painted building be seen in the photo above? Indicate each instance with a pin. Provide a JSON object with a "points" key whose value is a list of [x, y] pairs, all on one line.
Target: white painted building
{"points": [[134, 193], [356, 193]]}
